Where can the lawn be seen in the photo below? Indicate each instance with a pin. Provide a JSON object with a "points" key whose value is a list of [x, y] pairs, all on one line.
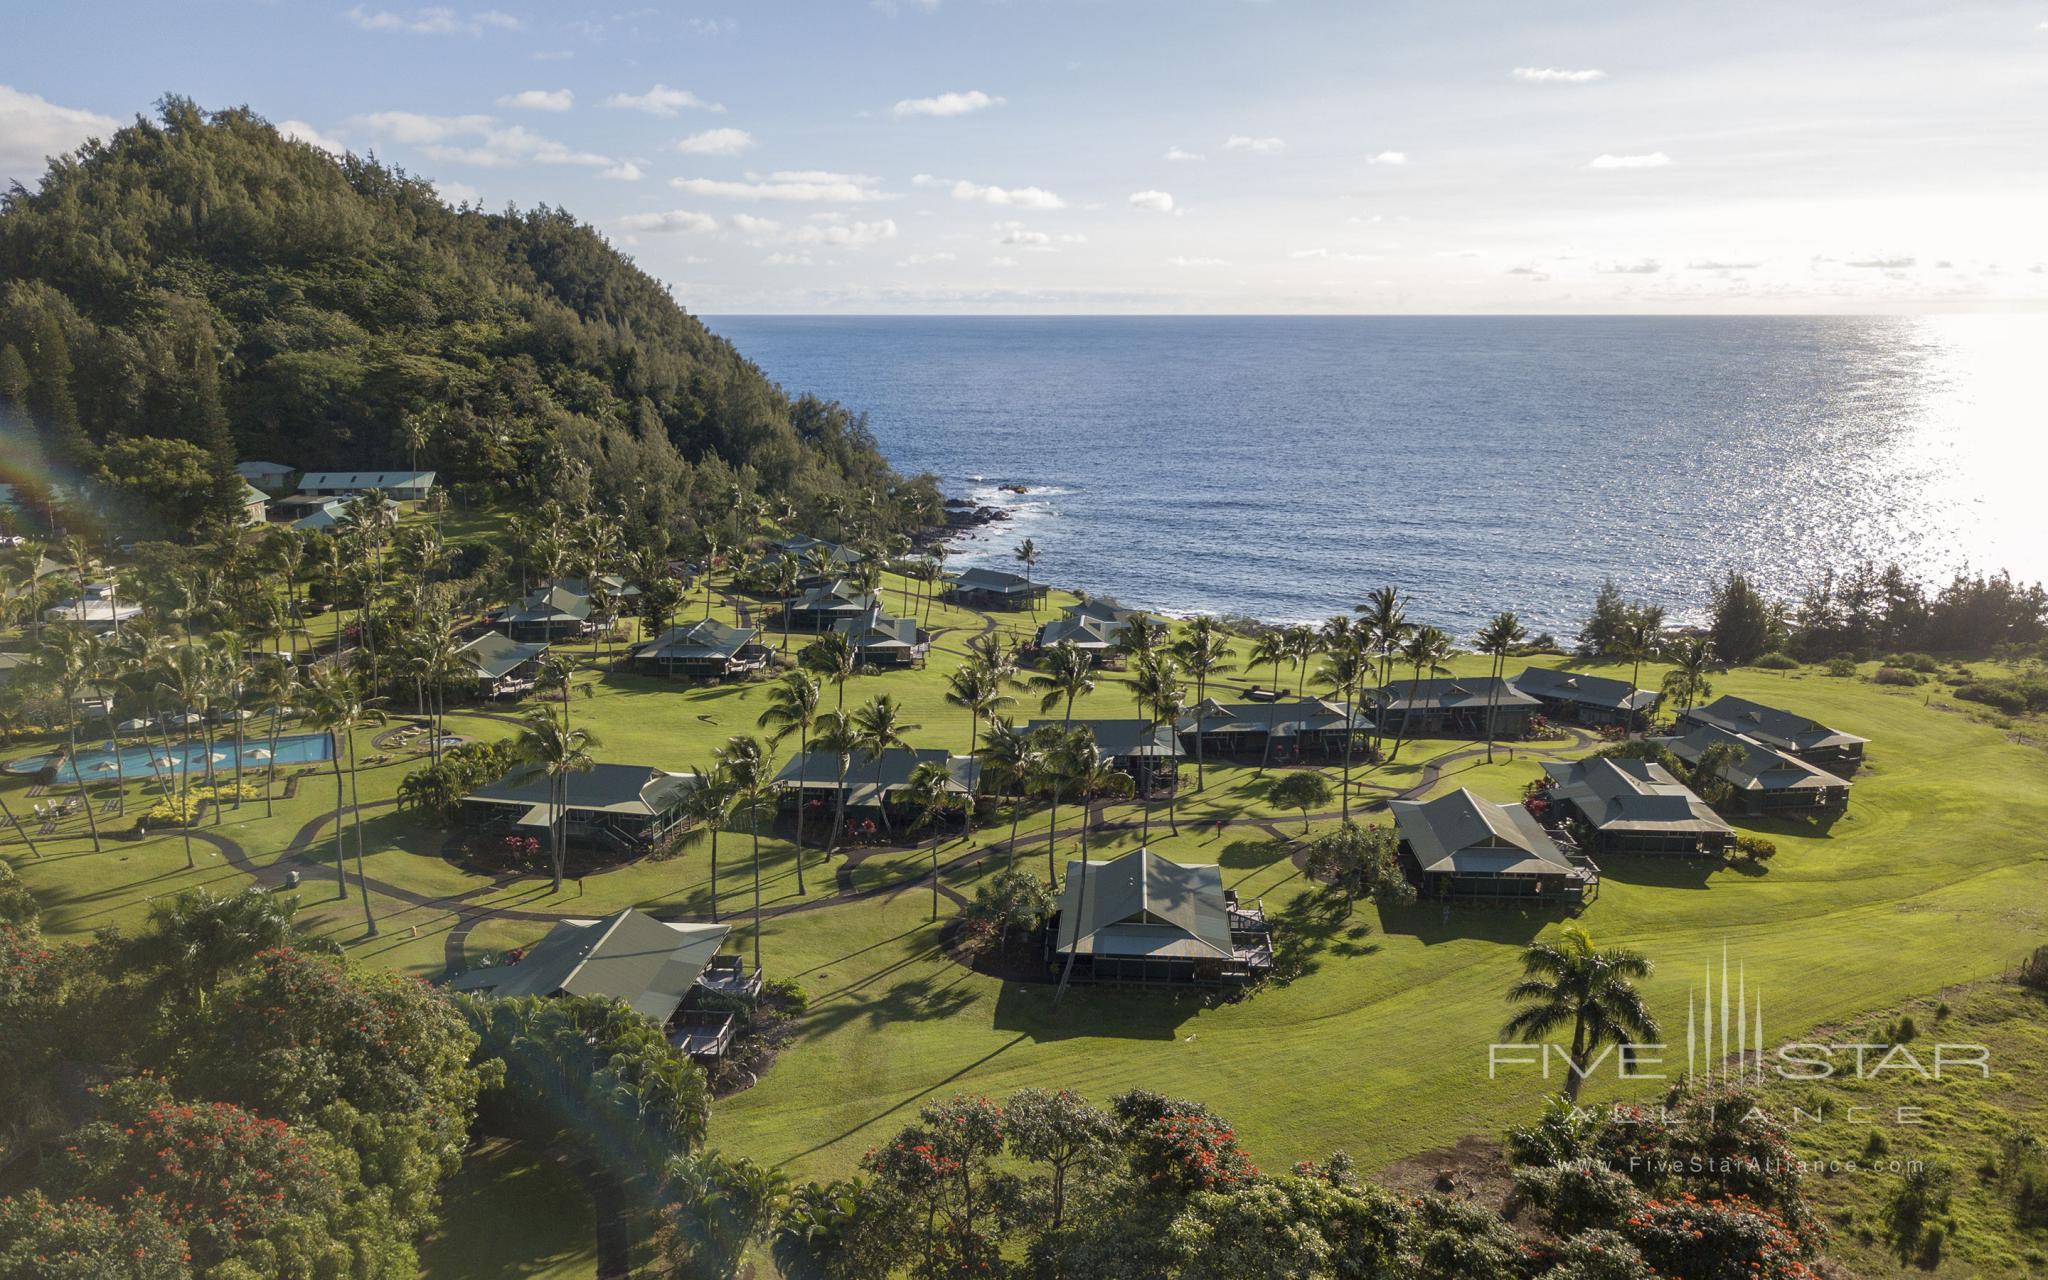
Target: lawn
{"points": [[1376, 1045]]}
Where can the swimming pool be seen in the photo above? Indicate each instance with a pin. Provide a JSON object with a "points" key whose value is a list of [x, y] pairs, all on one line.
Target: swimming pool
{"points": [[143, 760]]}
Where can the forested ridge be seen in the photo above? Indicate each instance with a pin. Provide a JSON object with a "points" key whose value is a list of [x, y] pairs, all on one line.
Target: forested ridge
{"points": [[198, 288]]}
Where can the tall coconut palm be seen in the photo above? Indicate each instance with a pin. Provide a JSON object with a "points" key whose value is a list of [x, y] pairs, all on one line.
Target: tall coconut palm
{"points": [[750, 790], [878, 727], [785, 573], [793, 708], [1060, 752], [1642, 638], [1270, 649], [1066, 673], [1345, 667], [276, 686], [833, 657], [978, 692], [1016, 762], [1425, 649], [1157, 687], [706, 807], [1570, 983], [67, 663], [232, 676], [837, 736], [551, 748], [1384, 615], [1303, 642], [106, 666], [337, 704], [1497, 640], [1692, 658], [1204, 653], [1027, 555], [931, 792]]}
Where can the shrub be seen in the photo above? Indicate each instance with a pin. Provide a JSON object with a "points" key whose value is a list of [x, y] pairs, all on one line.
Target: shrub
{"points": [[1896, 676], [2022, 1172], [2034, 969], [1776, 662], [1922, 1195], [1755, 848], [1842, 665], [2016, 696], [1919, 662]]}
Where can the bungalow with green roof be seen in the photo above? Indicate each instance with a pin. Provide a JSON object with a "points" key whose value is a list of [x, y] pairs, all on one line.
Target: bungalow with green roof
{"points": [[554, 612], [820, 607], [818, 560], [1143, 919], [1151, 753], [1459, 847], [275, 477], [1304, 728], [621, 807], [979, 588], [504, 667], [1579, 698], [255, 505], [882, 641], [1095, 629], [401, 486], [1634, 806], [1766, 782], [1795, 735], [873, 786], [1455, 707], [706, 649]]}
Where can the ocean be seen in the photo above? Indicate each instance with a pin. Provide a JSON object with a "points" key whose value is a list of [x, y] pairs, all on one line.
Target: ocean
{"points": [[1281, 467]]}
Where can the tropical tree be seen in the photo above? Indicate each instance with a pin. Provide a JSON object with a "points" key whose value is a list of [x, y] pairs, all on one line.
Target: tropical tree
{"points": [[930, 793], [1015, 760], [1497, 640], [1426, 648], [785, 574], [1384, 621], [1157, 687], [1270, 648], [794, 708], [67, 663], [978, 691], [1204, 653], [1343, 671], [1054, 747], [1092, 779], [750, 792], [553, 749], [1692, 659], [1067, 673], [1302, 790], [837, 736], [1571, 983], [705, 808], [1360, 860], [1302, 644], [199, 936], [276, 686], [1027, 555], [878, 727], [833, 657], [336, 704], [1642, 638]]}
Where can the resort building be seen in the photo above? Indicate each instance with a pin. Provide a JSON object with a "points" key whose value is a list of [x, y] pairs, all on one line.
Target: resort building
{"points": [[255, 505], [1767, 782], [874, 787], [1306, 728], [318, 515], [622, 807], [101, 608], [504, 667], [661, 971], [1460, 847], [554, 612], [1795, 735], [881, 641], [1143, 919], [1149, 752], [1455, 708], [706, 649], [1095, 629], [994, 589], [823, 606], [400, 486], [819, 560], [274, 477], [1577, 698], [1634, 806]]}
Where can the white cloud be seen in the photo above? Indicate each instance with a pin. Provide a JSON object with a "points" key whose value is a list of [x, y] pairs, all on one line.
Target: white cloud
{"points": [[1264, 146], [1646, 267], [1653, 160], [1001, 261], [662, 101], [1010, 197], [946, 104], [436, 20], [673, 221], [851, 235], [1883, 264], [1557, 75], [300, 131], [1152, 201], [1711, 265], [787, 260], [755, 226], [1016, 233], [539, 100], [1197, 262], [716, 142], [33, 129], [924, 259], [1388, 157], [477, 139], [458, 192], [1332, 255], [623, 171], [713, 26], [801, 186], [1178, 155]]}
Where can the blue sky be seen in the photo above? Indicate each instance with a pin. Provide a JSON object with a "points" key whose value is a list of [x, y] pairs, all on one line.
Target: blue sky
{"points": [[1148, 156]]}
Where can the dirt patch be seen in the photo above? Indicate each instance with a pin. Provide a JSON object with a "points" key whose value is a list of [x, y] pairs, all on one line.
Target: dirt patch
{"points": [[1471, 1169]]}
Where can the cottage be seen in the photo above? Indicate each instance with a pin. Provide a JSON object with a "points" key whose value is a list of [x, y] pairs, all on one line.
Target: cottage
{"points": [[1306, 728], [1149, 752], [1795, 735], [1767, 782], [554, 612], [662, 971], [1453, 708], [1460, 847], [99, 608], [401, 486], [819, 561], [255, 505], [819, 608], [272, 476], [1583, 699], [705, 649], [873, 786], [1634, 806], [620, 807], [1142, 919], [322, 515], [504, 667], [882, 641], [1095, 629], [994, 589]]}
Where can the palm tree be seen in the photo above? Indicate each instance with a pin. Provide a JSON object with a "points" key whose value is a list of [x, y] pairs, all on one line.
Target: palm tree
{"points": [[786, 573], [1204, 652], [1157, 687], [1068, 674], [66, 661], [1692, 658], [1027, 555], [105, 666], [554, 749], [200, 936], [276, 686], [793, 707], [750, 791], [879, 726], [1302, 644], [1384, 616], [1342, 671], [1060, 759], [232, 673], [1270, 648], [1568, 982], [1015, 759], [833, 657], [979, 692], [836, 734], [1093, 780], [1642, 638], [1425, 647], [1497, 640], [338, 706], [7, 815], [706, 807], [930, 793]]}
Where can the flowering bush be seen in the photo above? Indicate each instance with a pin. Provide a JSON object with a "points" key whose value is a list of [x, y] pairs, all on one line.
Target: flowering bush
{"points": [[1719, 1239], [41, 1239], [1191, 1151]]}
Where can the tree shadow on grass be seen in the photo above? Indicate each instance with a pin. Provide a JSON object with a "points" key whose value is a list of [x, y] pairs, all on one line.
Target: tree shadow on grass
{"points": [[1434, 922], [1154, 1013], [1659, 871], [1317, 923], [1241, 855]]}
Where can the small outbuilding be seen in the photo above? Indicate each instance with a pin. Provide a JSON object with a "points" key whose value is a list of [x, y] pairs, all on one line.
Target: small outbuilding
{"points": [[882, 641], [625, 808], [823, 606], [504, 667]]}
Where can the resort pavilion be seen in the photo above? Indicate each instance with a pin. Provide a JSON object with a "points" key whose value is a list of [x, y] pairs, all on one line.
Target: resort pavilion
{"points": [[882, 641], [1460, 847], [1149, 752], [1583, 699], [1095, 629], [1299, 729], [1455, 707], [707, 649], [1795, 735], [660, 970], [979, 588], [504, 667], [400, 486], [826, 604], [873, 785], [1143, 919], [625, 808], [553, 612], [1634, 806], [1767, 782]]}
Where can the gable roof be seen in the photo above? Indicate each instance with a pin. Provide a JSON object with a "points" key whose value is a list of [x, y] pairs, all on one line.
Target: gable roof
{"points": [[868, 779], [627, 956], [360, 480], [1122, 739], [1576, 686], [1090, 632], [836, 596], [556, 602], [1281, 719], [495, 654], [876, 630], [802, 546], [980, 579], [1785, 730], [1142, 904], [1462, 693], [633, 789], [256, 467], [1631, 795], [1756, 767], [1461, 834], [707, 639]]}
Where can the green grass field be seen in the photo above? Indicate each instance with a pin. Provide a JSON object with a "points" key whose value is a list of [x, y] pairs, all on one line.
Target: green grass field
{"points": [[1377, 1047]]}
